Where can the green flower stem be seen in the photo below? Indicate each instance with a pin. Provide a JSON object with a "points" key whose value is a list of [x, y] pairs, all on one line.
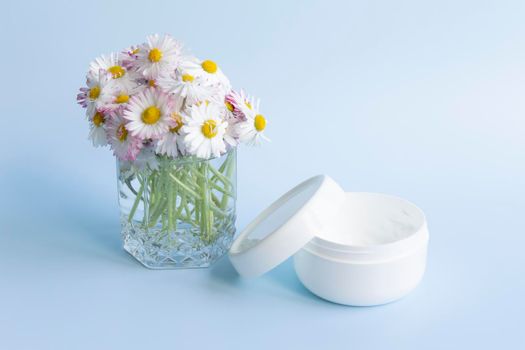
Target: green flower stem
{"points": [[157, 210], [219, 188], [164, 219], [187, 209], [157, 199], [191, 181], [228, 187], [184, 187], [204, 190], [217, 210], [172, 213], [182, 206], [205, 214], [137, 201], [130, 186], [221, 169], [224, 164], [215, 199], [148, 181], [221, 177]]}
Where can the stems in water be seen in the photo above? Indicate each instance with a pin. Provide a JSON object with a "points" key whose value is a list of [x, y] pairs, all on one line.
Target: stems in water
{"points": [[193, 193]]}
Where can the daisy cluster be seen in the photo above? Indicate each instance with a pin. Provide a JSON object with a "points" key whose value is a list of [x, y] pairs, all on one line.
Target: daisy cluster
{"points": [[153, 99]]}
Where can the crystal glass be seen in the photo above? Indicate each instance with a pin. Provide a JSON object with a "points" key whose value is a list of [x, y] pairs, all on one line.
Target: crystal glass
{"points": [[181, 213]]}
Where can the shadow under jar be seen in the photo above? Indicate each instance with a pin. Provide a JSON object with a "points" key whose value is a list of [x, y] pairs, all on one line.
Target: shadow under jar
{"points": [[181, 214]]}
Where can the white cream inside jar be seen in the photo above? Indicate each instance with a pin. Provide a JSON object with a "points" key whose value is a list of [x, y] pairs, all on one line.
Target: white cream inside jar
{"points": [[371, 219]]}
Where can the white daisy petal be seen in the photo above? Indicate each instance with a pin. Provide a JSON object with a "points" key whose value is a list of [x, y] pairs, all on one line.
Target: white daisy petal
{"points": [[204, 131], [157, 55], [125, 146], [149, 114], [251, 130]]}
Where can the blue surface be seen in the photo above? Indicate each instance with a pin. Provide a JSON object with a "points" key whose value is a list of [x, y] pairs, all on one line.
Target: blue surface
{"points": [[423, 100]]}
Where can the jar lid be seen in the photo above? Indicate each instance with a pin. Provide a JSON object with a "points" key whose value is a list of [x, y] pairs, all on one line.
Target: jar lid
{"points": [[286, 226]]}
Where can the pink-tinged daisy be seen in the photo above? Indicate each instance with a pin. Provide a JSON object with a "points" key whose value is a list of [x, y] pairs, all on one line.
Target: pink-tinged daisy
{"points": [[172, 142], [157, 55], [251, 131], [129, 57], [97, 132], [124, 145], [236, 103], [244, 104], [114, 64], [149, 114], [204, 131], [208, 70], [186, 86], [118, 97], [93, 96], [233, 116]]}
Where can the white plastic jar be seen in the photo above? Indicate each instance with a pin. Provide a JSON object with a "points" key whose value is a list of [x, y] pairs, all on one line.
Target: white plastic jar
{"points": [[349, 248], [373, 252]]}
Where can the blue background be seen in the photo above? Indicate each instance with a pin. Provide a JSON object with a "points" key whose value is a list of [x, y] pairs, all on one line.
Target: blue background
{"points": [[419, 99]]}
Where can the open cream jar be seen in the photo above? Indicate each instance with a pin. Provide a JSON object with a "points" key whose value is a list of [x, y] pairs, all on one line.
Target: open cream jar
{"points": [[349, 248], [373, 252]]}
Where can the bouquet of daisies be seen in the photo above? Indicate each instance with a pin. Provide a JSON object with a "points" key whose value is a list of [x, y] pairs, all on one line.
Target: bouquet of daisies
{"points": [[167, 115], [155, 100]]}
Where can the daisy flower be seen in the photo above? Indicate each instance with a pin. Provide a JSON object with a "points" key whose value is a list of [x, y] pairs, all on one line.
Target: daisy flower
{"points": [[251, 131], [156, 55], [172, 142], [92, 96], [233, 116], [186, 86], [115, 65], [125, 146], [207, 69], [118, 97], [231, 135], [130, 57], [238, 104], [149, 114], [204, 130], [244, 104], [97, 132]]}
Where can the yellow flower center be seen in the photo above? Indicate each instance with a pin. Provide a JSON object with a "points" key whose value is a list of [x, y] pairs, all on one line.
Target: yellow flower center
{"points": [[122, 133], [187, 78], [178, 120], [98, 119], [229, 106], [151, 115], [198, 103], [94, 92], [259, 122], [209, 66], [248, 104], [209, 128], [122, 98], [155, 55], [117, 71], [151, 83]]}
